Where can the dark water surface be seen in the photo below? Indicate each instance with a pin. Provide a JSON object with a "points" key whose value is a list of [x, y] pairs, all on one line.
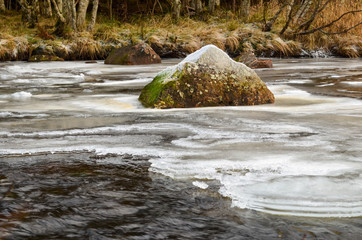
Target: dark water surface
{"points": [[80, 158], [71, 196]]}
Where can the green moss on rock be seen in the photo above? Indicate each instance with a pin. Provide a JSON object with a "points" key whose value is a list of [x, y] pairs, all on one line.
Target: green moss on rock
{"points": [[199, 81], [43, 58]]}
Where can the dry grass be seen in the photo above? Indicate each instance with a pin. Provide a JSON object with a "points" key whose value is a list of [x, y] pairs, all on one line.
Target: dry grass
{"points": [[13, 48], [84, 47], [347, 44], [232, 41], [335, 10], [222, 29]]}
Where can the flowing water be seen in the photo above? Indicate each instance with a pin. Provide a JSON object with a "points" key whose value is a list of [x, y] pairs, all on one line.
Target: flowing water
{"points": [[80, 158]]}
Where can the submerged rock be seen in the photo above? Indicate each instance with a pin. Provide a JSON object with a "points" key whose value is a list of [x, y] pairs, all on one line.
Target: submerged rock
{"points": [[250, 60], [133, 55], [208, 77]]}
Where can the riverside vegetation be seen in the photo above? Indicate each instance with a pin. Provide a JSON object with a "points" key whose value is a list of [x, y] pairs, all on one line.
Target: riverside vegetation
{"points": [[90, 30]]}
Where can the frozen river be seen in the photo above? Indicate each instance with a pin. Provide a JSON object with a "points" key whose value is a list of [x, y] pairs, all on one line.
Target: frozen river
{"points": [[80, 157]]}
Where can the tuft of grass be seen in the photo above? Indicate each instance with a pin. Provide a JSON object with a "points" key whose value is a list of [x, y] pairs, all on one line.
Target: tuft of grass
{"points": [[86, 48], [13, 48], [280, 47], [192, 46], [232, 42]]}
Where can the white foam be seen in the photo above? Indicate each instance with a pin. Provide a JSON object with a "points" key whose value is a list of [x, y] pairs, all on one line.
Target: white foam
{"points": [[21, 96], [6, 76], [199, 184], [5, 114], [325, 85], [353, 83]]}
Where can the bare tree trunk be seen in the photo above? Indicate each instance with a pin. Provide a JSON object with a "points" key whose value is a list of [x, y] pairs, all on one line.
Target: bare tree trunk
{"points": [[59, 4], [59, 12], [302, 10], [197, 5], [212, 5], [35, 12], [25, 11], [290, 16], [245, 9], [70, 13], [30, 13], [110, 9], [270, 23], [48, 8], [74, 14], [176, 9], [2, 5], [66, 17], [317, 9], [93, 16], [82, 12]]}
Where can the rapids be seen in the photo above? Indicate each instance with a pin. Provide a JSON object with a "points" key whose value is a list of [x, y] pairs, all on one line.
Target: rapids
{"points": [[81, 157]]}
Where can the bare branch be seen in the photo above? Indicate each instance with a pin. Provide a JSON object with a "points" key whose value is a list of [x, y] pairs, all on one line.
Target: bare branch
{"points": [[317, 10], [61, 17], [290, 17], [270, 23], [344, 31], [327, 25]]}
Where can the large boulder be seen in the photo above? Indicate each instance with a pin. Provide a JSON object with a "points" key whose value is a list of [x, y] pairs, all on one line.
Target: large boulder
{"points": [[207, 77], [133, 55], [250, 60]]}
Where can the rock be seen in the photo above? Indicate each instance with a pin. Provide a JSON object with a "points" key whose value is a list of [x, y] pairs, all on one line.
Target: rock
{"points": [[250, 60], [259, 63], [169, 50], [133, 55], [168, 47], [247, 57], [43, 50], [42, 58], [207, 77]]}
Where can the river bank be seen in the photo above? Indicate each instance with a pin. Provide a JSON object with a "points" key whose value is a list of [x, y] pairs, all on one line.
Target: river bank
{"points": [[168, 39]]}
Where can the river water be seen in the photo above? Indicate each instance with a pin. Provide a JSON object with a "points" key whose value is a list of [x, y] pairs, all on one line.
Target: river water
{"points": [[80, 158]]}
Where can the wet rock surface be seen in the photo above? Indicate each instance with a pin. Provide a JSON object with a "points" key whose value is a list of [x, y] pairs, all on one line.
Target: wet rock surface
{"points": [[133, 55], [208, 77]]}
